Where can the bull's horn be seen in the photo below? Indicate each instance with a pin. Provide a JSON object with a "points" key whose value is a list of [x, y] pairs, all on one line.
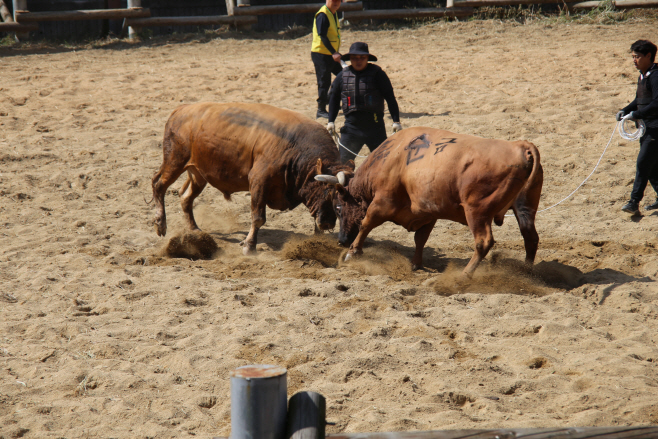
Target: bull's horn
{"points": [[341, 178], [327, 179]]}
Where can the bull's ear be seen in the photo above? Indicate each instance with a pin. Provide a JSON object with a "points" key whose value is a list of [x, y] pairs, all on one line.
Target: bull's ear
{"points": [[318, 167], [351, 164]]}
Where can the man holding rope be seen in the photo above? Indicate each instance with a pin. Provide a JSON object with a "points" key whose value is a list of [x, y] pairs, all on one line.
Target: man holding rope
{"points": [[362, 89], [644, 107]]}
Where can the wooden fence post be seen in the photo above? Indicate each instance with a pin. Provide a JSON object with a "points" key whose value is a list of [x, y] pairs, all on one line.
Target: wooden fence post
{"points": [[133, 31], [306, 416], [259, 402], [230, 11], [230, 4], [4, 13], [20, 5]]}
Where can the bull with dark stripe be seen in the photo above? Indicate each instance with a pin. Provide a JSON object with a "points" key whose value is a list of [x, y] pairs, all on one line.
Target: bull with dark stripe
{"points": [[271, 152]]}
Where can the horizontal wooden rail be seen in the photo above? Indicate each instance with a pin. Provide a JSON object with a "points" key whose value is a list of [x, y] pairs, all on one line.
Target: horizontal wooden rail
{"points": [[533, 433], [292, 9], [478, 3], [206, 20], [620, 4], [88, 14], [408, 13], [18, 27]]}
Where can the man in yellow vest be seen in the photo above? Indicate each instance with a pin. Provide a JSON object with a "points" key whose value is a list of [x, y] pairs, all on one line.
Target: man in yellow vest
{"points": [[324, 51]]}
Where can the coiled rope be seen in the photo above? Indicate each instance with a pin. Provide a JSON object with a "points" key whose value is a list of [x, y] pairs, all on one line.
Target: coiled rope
{"points": [[641, 129]]}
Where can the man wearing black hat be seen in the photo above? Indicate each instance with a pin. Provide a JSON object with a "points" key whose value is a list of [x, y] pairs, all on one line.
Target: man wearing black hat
{"points": [[361, 89]]}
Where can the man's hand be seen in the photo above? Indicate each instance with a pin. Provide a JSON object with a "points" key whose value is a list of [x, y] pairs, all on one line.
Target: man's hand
{"points": [[331, 128], [336, 56], [397, 126], [620, 115], [632, 116]]}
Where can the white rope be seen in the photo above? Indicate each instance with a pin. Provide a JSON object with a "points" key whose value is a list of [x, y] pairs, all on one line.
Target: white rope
{"points": [[641, 129], [349, 150], [590, 174]]}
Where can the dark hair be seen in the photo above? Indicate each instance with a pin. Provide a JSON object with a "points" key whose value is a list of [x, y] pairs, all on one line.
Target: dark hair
{"points": [[644, 47]]}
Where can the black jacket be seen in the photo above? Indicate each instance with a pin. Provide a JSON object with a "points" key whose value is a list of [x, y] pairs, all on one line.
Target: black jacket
{"points": [[645, 104], [363, 118]]}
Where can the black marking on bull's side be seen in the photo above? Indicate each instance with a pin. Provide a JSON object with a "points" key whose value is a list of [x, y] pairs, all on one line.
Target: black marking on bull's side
{"points": [[249, 119], [415, 146], [442, 145], [382, 151]]}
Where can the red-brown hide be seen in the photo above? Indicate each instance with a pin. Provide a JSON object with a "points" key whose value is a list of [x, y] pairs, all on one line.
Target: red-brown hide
{"points": [[421, 175], [271, 152]]}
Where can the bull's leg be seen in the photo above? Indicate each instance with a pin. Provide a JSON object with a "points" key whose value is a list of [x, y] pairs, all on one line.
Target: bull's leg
{"points": [[526, 220], [193, 187], [481, 229], [257, 221], [420, 238], [161, 181], [371, 220]]}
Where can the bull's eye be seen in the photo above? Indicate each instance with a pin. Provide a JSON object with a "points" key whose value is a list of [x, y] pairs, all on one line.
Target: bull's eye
{"points": [[339, 209]]}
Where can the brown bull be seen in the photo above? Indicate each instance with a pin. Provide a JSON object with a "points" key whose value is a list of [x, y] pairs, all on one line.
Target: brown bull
{"points": [[270, 152], [421, 175]]}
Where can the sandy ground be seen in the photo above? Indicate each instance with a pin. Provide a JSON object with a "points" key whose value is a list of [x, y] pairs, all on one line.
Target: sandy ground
{"points": [[102, 334]]}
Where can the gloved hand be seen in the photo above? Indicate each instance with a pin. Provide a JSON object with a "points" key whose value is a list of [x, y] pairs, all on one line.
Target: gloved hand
{"points": [[331, 128], [397, 126], [620, 115]]}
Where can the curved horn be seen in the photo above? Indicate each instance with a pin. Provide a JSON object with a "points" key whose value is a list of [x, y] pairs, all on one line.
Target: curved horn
{"points": [[341, 178], [327, 179]]}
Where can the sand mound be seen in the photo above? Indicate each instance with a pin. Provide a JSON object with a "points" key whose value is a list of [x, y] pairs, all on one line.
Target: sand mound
{"points": [[323, 249], [191, 245], [380, 260]]}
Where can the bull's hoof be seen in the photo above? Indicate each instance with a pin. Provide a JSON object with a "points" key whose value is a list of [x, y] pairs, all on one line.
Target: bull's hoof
{"points": [[160, 230], [465, 276], [353, 254], [248, 251], [415, 267]]}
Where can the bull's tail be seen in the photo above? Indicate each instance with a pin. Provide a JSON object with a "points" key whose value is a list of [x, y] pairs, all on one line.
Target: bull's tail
{"points": [[527, 202]]}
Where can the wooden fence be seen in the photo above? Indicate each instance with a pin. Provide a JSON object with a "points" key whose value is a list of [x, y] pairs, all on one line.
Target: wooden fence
{"points": [[241, 14]]}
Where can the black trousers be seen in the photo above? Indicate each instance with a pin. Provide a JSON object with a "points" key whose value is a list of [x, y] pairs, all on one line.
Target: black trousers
{"points": [[324, 67], [352, 139], [647, 165]]}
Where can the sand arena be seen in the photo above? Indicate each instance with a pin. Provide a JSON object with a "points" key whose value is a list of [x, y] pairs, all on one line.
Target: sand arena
{"points": [[105, 334]]}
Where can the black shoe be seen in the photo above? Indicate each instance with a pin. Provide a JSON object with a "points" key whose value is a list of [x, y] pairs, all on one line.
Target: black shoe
{"points": [[652, 206], [631, 207], [322, 113]]}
